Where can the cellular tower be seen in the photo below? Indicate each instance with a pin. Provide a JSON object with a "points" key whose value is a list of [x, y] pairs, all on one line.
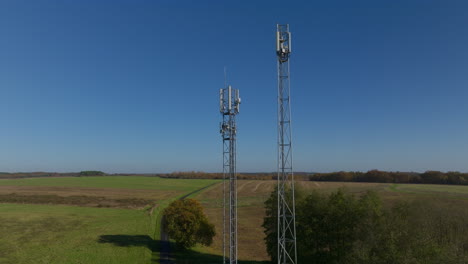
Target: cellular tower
{"points": [[287, 250], [229, 102]]}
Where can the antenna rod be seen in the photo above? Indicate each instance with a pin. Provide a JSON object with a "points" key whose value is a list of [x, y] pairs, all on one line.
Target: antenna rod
{"points": [[225, 77]]}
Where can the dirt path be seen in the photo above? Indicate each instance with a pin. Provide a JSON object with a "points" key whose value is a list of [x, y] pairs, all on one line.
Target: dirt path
{"points": [[165, 249], [258, 185], [239, 188]]}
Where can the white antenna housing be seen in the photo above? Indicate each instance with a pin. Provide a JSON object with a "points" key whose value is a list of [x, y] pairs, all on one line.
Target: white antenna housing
{"points": [[229, 97], [221, 100], [278, 42]]}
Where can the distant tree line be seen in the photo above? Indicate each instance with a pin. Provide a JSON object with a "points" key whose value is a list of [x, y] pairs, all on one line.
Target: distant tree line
{"points": [[36, 174], [341, 228], [429, 177], [7, 175], [301, 176], [92, 173]]}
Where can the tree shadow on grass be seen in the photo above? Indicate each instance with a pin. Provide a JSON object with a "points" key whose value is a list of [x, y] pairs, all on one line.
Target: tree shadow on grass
{"points": [[183, 256], [137, 241], [131, 241]]}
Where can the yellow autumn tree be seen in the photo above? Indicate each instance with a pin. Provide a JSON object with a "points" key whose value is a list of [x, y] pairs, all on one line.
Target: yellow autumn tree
{"points": [[186, 223]]}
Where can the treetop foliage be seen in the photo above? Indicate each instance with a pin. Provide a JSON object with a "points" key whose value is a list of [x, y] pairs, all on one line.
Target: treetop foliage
{"points": [[240, 176]]}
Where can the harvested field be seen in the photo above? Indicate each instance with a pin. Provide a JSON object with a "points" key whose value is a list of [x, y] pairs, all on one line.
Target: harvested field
{"points": [[252, 195], [90, 201], [112, 193]]}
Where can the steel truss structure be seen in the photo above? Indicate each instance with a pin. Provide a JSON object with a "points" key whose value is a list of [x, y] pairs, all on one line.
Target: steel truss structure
{"points": [[229, 102], [287, 250]]}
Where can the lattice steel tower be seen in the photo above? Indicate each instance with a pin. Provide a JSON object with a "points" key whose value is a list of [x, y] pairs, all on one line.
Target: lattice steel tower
{"points": [[287, 251], [229, 102]]}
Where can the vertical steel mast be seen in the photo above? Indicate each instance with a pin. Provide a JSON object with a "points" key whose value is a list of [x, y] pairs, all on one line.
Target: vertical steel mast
{"points": [[287, 251], [229, 102]]}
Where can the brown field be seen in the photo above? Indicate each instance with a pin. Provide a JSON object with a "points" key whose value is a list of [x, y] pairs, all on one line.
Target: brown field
{"points": [[252, 194], [90, 191], [84, 196]]}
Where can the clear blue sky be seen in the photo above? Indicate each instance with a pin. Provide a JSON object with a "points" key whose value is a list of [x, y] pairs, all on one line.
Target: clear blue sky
{"points": [[132, 86]]}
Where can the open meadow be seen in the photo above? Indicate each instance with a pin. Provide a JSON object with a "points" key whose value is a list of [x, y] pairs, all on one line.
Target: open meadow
{"points": [[117, 219]]}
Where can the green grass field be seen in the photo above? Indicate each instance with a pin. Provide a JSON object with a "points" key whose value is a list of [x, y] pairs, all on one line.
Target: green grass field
{"points": [[72, 234], [125, 182], [51, 233], [67, 234]]}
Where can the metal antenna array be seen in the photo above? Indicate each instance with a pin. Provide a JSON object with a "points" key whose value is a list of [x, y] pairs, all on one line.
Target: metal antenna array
{"points": [[287, 251], [229, 103]]}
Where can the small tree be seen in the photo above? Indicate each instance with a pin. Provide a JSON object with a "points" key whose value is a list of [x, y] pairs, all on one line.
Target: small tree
{"points": [[186, 223]]}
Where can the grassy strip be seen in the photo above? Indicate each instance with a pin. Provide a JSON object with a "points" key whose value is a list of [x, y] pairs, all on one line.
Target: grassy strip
{"points": [[79, 200]]}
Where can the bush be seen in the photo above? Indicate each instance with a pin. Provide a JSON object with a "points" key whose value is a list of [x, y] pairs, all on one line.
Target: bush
{"points": [[186, 223]]}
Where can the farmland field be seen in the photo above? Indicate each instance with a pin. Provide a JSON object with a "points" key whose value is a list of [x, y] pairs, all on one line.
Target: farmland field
{"points": [[116, 219], [123, 226]]}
